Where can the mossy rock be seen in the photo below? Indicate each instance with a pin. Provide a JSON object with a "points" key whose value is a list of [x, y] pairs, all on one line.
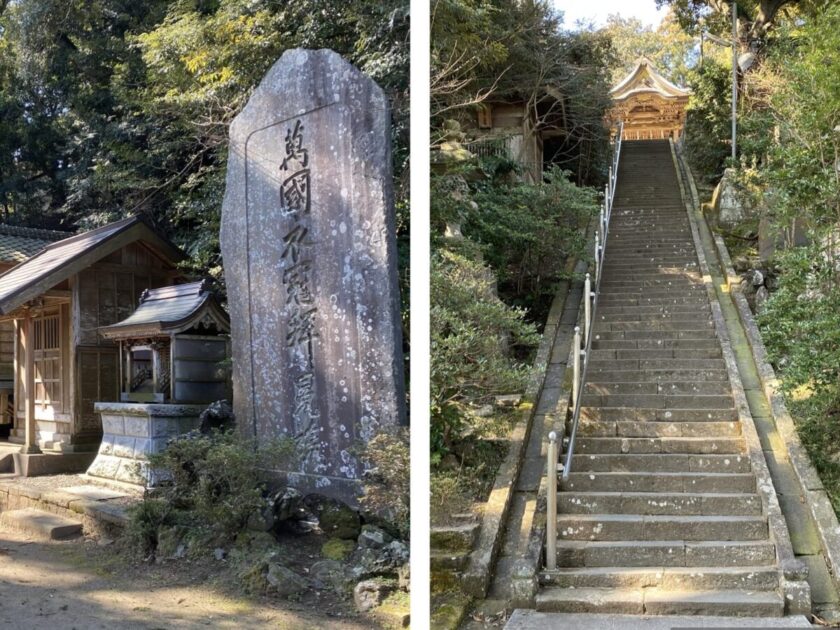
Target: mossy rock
{"points": [[395, 611], [339, 520], [449, 614], [337, 549], [442, 581], [253, 578], [256, 542]]}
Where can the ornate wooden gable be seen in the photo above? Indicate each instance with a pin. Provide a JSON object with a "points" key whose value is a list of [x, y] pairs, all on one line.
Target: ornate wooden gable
{"points": [[651, 107]]}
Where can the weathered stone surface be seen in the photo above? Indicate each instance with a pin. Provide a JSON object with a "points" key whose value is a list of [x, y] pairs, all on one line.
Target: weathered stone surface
{"points": [[369, 594], [133, 431], [337, 549], [327, 574], [309, 246], [283, 581], [334, 517], [533, 620]]}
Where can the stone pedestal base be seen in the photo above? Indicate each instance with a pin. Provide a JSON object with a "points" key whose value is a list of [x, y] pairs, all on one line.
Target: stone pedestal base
{"points": [[132, 431]]}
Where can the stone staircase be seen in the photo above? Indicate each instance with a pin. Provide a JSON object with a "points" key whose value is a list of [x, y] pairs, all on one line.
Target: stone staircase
{"points": [[661, 513]]}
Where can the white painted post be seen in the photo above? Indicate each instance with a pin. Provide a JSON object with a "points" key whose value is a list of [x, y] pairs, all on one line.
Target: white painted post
{"points": [[602, 218], [587, 308], [551, 504], [576, 370], [597, 258]]}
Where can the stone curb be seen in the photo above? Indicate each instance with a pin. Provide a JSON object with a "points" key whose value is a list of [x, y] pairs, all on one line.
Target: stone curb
{"points": [[793, 586], [478, 574], [97, 516], [525, 575], [818, 503]]}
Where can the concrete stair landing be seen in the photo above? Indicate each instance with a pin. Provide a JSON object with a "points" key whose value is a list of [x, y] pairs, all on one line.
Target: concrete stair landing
{"points": [[661, 514], [42, 524]]}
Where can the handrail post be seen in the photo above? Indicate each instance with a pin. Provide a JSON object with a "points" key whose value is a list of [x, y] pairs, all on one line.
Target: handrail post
{"points": [[587, 308], [551, 505], [597, 258], [576, 369], [602, 218]]}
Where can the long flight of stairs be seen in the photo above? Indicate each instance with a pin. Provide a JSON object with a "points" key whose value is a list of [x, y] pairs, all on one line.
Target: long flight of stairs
{"points": [[661, 513]]}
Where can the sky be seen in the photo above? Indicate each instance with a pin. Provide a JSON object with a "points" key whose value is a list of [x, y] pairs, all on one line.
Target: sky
{"points": [[598, 10]]}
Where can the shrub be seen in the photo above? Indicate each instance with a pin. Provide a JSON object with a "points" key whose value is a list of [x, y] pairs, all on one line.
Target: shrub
{"points": [[388, 480], [471, 330], [213, 484], [708, 122], [800, 326]]}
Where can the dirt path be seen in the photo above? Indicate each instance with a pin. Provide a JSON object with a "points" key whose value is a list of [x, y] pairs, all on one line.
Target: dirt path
{"points": [[82, 585]]}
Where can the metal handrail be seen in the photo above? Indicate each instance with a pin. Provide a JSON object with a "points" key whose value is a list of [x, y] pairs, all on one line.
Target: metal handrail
{"points": [[579, 375]]}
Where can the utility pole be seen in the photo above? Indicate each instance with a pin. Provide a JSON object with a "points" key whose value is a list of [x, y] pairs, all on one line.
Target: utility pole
{"points": [[734, 78]]}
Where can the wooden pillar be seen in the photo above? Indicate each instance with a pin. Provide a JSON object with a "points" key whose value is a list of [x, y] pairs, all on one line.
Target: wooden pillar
{"points": [[31, 429], [156, 375]]}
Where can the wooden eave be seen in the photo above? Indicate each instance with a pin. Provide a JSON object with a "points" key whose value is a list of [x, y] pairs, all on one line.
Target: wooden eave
{"points": [[208, 311], [34, 284]]}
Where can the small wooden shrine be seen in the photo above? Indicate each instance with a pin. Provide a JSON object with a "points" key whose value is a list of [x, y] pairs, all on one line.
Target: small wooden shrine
{"points": [[651, 107], [171, 346], [173, 350]]}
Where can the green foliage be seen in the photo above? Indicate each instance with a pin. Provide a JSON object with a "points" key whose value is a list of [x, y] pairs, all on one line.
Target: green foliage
{"points": [[801, 321], [388, 480], [502, 50], [804, 98], [214, 484], [668, 46], [471, 330], [527, 231], [112, 107], [144, 519], [801, 329], [708, 119]]}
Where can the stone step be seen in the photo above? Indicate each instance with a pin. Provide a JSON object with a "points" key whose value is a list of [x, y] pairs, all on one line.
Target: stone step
{"points": [[658, 401], [718, 483], [649, 414], [651, 353], [596, 385], [649, 260], [651, 308], [641, 527], [653, 344], [657, 462], [696, 446], [645, 366], [654, 601], [42, 524], [635, 269], [448, 561], [666, 321], [654, 248], [674, 503], [669, 578], [635, 429], [654, 310], [665, 553], [605, 375], [700, 333], [454, 537], [701, 312]]}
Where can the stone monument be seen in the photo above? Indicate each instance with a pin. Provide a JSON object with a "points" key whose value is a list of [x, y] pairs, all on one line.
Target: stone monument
{"points": [[309, 247]]}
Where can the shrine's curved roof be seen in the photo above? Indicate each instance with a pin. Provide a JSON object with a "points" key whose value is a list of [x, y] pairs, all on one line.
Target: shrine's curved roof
{"points": [[170, 310], [644, 78]]}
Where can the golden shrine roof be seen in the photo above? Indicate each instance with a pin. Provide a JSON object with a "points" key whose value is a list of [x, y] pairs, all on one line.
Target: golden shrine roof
{"points": [[645, 78]]}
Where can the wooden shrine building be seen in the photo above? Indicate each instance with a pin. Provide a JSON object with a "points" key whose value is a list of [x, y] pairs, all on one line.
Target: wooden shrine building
{"points": [[52, 306], [651, 107]]}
